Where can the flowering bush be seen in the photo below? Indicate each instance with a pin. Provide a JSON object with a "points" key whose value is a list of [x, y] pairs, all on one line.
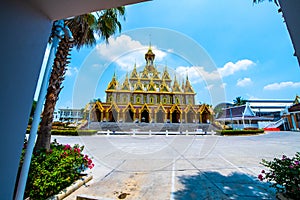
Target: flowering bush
{"points": [[284, 175], [53, 170]]}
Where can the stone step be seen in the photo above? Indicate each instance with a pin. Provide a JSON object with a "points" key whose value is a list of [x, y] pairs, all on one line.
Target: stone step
{"points": [[155, 127]]}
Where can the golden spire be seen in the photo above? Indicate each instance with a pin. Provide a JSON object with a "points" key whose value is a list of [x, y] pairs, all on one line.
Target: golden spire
{"points": [[126, 85], [188, 87], [113, 83], [176, 86], [134, 74]]}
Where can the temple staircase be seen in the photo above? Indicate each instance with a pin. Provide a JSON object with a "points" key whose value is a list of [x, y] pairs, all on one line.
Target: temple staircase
{"points": [[146, 127]]}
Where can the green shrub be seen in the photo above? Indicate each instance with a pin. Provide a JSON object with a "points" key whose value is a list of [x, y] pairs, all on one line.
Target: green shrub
{"points": [[284, 175], [53, 170], [240, 132], [250, 128], [73, 132], [58, 124], [86, 132]]}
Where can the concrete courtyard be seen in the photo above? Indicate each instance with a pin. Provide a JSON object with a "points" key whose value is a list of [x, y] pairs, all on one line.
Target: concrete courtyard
{"points": [[181, 167]]}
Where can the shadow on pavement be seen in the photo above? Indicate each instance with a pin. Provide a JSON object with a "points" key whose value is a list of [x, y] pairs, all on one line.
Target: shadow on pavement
{"points": [[213, 185]]}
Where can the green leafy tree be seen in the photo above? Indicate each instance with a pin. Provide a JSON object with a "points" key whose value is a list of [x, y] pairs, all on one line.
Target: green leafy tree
{"points": [[83, 28], [239, 101]]}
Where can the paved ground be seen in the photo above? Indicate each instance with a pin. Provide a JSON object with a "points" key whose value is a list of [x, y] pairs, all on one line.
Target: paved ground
{"points": [[181, 167]]}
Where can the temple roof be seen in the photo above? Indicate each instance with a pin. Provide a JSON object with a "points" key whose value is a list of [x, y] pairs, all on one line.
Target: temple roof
{"points": [[126, 84], [176, 87], [112, 86], [149, 79], [188, 87], [134, 74], [166, 75]]}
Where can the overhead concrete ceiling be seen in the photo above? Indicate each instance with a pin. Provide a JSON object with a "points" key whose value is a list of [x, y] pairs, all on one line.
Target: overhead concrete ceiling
{"points": [[60, 9], [291, 14]]}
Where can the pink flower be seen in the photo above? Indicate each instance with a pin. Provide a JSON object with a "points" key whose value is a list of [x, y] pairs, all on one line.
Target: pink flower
{"points": [[296, 162], [77, 150], [284, 157], [67, 146], [91, 166], [260, 177], [291, 166]]}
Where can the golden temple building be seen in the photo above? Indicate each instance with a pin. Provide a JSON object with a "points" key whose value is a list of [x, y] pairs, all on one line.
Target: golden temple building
{"points": [[150, 96]]}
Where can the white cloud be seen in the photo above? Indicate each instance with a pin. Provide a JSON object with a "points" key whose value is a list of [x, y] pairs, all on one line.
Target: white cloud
{"points": [[71, 71], [223, 85], [230, 67], [196, 73], [209, 87], [282, 85], [125, 52], [244, 82], [96, 65]]}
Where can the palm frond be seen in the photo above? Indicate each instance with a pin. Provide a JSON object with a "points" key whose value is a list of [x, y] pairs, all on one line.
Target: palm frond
{"points": [[259, 1]]}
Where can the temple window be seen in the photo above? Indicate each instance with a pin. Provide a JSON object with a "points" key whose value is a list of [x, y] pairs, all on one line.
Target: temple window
{"points": [[124, 99], [164, 100]]}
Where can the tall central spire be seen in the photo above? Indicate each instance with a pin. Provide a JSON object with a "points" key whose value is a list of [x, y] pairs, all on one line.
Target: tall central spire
{"points": [[149, 56]]}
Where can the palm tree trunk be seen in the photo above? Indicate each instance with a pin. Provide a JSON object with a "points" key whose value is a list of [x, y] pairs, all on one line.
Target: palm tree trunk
{"points": [[54, 87]]}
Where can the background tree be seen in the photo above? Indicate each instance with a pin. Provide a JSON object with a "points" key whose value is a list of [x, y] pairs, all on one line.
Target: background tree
{"points": [[239, 101], [83, 28], [259, 1]]}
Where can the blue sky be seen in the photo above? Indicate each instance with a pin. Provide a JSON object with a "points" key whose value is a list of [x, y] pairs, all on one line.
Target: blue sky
{"points": [[228, 49]]}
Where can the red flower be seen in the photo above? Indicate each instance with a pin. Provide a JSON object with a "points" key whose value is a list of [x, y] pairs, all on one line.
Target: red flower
{"points": [[77, 150], [91, 166], [263, 171], [67, 146], [260, 177]]}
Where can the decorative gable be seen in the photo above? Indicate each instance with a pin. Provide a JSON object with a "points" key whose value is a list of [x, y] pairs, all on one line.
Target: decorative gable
{"points": [[151, 86], [139, 86], [134, 74], [176, 87], [163, 87]]}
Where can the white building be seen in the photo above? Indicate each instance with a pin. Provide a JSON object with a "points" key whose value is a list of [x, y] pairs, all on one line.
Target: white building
{"points": [[69, 115]]}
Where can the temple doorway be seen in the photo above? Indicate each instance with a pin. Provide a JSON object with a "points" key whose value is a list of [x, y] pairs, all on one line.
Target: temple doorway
{"points": [[190, 117], [129, 114], [98, 115], [205, 117], [113, 116], [176, 116], [145, 116], [160, 116]]}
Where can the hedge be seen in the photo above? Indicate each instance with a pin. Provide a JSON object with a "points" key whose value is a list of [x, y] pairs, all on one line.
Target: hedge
{"points": [[73, 132], [241, 132]]}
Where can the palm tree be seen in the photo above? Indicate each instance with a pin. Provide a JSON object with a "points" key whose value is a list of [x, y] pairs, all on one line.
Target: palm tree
{"points": [[83, 28], [259, 1], [239, 101]]}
